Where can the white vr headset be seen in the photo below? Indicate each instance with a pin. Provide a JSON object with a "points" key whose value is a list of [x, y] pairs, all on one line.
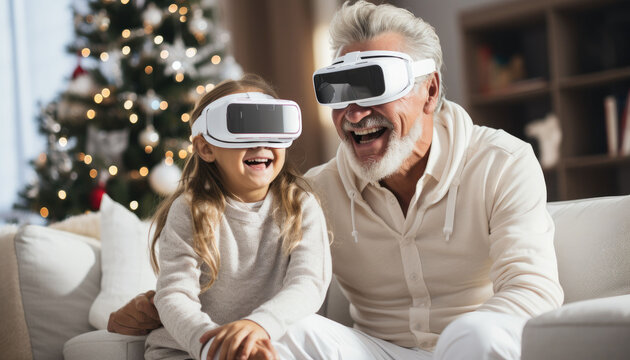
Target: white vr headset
{"points": [[247, 120], [368, 78]]}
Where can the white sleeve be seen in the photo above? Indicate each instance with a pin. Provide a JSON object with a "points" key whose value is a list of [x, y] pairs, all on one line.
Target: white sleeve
{"points": [[177, 295], [524, 269]]}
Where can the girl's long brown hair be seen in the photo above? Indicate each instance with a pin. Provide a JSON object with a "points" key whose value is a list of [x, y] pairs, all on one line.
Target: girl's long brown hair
{"points": [[204, 190]]}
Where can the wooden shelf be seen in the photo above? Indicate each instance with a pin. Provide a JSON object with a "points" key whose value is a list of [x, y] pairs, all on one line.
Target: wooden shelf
{"points": [[574, 54], [592, 161], [594, 79], [521, 90]]}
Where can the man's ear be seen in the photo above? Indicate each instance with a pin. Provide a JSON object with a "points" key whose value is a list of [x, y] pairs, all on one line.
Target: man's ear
{"points": [[203, 149], [433, 90]]}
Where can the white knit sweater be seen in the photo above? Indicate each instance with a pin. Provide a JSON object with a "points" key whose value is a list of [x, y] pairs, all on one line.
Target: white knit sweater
{"points": [[255, 281]]}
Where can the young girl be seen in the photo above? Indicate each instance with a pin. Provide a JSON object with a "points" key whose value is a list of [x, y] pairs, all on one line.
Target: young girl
{"points": [[243, 248]]}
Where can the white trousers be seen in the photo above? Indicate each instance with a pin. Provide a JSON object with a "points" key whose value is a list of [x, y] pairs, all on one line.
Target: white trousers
{"points": [[478, 335]]}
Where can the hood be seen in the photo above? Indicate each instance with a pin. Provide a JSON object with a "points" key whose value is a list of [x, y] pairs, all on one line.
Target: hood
{"points": [[458, 126]]}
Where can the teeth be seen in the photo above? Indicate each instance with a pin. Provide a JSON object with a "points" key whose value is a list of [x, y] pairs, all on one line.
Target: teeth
{"points": [[366, 131], [258, 160]]}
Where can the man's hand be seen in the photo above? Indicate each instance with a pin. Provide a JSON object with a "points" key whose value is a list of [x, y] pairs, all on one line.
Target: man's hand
{"points": [[138, 317], [239, 340]]}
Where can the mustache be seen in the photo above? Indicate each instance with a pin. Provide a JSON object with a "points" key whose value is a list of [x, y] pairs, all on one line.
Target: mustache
{"points": [[372, 120]]}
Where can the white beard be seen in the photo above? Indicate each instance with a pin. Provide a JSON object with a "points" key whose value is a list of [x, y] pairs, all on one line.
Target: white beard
{"points": [[398, 150]]}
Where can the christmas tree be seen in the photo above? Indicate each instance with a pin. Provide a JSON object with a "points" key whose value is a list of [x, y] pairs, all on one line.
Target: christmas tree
{"points": [[122, 125]]}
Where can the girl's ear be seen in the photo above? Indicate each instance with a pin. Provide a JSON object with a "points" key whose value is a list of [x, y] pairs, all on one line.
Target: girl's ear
{"points": [[203, 149]]}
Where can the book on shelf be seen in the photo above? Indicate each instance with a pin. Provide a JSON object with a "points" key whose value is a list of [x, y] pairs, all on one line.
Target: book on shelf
{"points": [[617, 114], [625, 128], [612, 121]]}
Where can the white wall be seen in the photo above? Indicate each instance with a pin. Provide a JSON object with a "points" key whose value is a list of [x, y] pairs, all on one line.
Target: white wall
{"points": [[443, 15], [34, 67]]}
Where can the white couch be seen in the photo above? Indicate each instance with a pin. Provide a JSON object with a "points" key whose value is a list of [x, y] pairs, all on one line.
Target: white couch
{"points": [[592, 244]]}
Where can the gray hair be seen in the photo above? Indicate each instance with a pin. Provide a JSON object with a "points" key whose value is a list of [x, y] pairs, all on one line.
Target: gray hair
{"points": [[363, 21]]}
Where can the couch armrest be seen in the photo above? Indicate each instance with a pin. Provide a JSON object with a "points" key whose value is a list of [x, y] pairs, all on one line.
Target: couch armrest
{"points": [[590, 329], [103, 345]]}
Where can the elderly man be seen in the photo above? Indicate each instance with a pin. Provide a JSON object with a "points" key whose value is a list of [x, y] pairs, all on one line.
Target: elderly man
{"points": [[442, 241]]}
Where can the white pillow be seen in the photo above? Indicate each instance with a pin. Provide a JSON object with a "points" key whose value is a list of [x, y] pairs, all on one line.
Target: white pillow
{"points": [[125, 263], [59, 276], [592, 244]]}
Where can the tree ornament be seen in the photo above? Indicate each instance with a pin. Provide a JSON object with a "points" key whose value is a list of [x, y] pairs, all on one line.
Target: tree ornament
{"points": [[107, 145], [152, 16], [102, 21], [149, 136], [82, 83], [95, 197], [164, 178], [198, 25], [150, 102]]}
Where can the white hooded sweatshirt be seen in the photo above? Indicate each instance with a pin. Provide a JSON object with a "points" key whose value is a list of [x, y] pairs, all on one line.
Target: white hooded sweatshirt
{"points": [[477, 235]]}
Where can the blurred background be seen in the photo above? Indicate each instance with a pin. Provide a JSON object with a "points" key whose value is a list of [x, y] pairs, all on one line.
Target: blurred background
{"points": [[95, 93]]}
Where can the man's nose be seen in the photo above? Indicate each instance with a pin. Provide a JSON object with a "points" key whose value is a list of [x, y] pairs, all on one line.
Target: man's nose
{"points": [[354, 113]]}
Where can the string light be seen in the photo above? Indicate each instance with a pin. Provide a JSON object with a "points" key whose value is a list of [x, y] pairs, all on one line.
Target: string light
{"points": [[185, 117], [182, 19], [158, 39], [42, 158], [105, 57], [98, 98], [182, 154], [190, 52], [105, 92], [179, 77], [126, 33], [124, 2], [43, 212], [62, 194], [91, 114], [148, 69], [144, 171], [133, 205], [148, 149], [87, 159], [200, 89], [176, 65], [93, 173], [190, 148], [126, 50], [85, 52], [168, 161], [172, 8], [133, 118], [209, 87], [63, 141], [216, 59], [163, 105], [80, 156], [164, 54], [113, 170], [168, 154], [183, 10], [128, 104]]}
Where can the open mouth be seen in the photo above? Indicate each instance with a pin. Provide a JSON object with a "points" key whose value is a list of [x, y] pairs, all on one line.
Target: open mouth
{"points": [[258, 163], [364, 136]]}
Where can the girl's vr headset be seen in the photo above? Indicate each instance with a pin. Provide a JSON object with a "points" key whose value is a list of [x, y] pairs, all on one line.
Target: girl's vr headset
{"points": [[247, 120], [368, 78]]}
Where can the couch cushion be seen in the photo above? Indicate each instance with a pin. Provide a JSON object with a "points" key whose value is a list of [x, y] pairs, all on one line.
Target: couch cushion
{"points": [[593, 246], [108, 346], [59, 275], [125, 264], [14, 341], [591, 329]]}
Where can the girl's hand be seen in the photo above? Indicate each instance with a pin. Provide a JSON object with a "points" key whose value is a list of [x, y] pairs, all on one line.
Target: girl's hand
{"points": [[236, 338]]}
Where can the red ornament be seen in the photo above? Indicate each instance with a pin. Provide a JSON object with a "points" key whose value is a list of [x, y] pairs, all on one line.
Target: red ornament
{"points": [[78, 71], [96, 195]]}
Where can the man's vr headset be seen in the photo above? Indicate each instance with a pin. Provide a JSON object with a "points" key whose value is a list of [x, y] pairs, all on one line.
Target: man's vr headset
{"points": [[368, 78], [247, 120]]}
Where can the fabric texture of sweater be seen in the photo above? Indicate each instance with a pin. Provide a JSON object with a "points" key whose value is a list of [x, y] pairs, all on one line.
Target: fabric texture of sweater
{"points": [[256, 281], [476, 237]]}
